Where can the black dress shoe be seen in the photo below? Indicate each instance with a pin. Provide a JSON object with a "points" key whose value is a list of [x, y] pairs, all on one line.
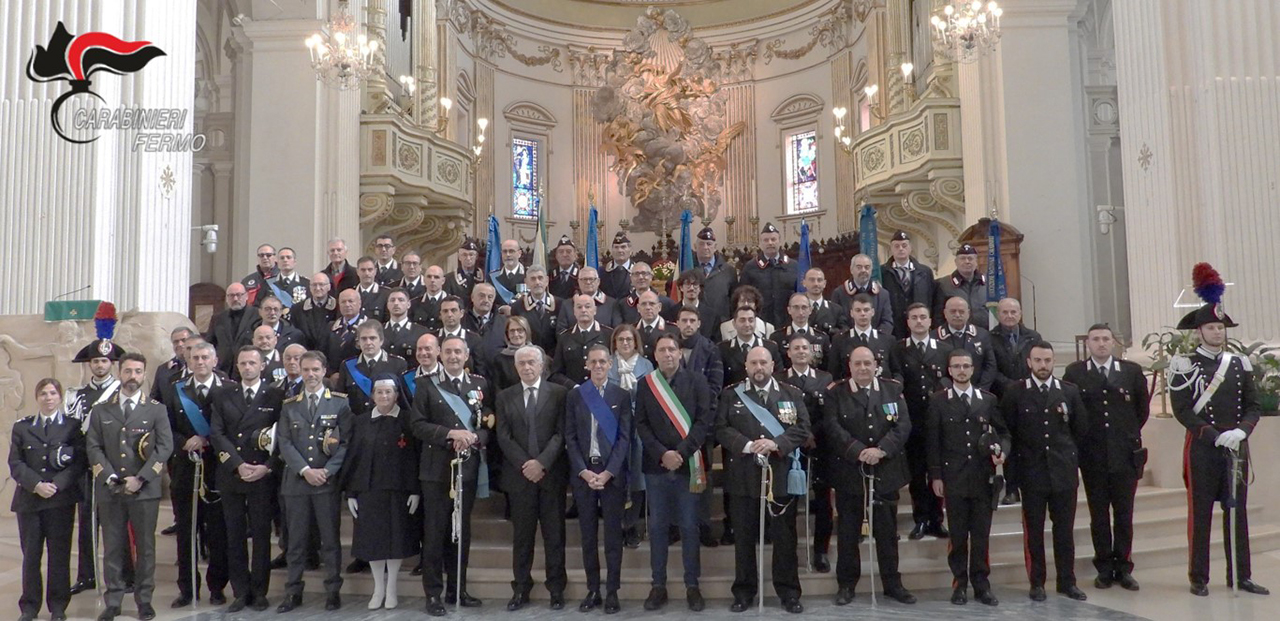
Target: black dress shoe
{"points": [[417, 571], [518, 601], [171, 529], [844, 596], [1073, 592], [590, 602], [217, 598], [1103, 581], [333, 601], [917, 533], [557, 601], [128, 587], [181, 601], [739, 605], [1249, 586], [84, 585], [435, 607], [290, 602], [572, 512], [1126, 581], [260, 604], [727, 538], [611, 604], [793, 606], [58, 616], [357, 566], [1199, 589], [631, 538], [657, 598], [238, 604], [313, 563], [467, 600], [146, 612], [900, 594], [27, 618], [706, 538], [986, 597], [1037, 594], [936, 529], [109, 614], [820, 563], [673, 534], [1011, 498], [279, 562], [959, 597], [694, 596]]}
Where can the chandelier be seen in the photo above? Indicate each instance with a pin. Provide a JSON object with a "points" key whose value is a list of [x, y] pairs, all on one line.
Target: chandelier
{"points": [[967, 29], [343, 58]]}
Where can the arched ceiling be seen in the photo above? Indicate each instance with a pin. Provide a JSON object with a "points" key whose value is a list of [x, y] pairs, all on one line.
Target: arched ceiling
{"points": [[621, 14]]}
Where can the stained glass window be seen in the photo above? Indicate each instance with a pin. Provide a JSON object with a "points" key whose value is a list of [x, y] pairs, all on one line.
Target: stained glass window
{"points": [[802, 172], [524, 178]]}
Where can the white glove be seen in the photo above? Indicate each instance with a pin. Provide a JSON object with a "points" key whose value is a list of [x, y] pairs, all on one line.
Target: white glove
{"points": [[413, 503], [1231, 439], [353, 507]]}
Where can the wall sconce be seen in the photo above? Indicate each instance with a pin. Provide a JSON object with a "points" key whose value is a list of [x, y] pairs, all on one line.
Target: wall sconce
{"points": [[442, 117], [908, 84], [477, 145], [844, 141], [871, 90]]}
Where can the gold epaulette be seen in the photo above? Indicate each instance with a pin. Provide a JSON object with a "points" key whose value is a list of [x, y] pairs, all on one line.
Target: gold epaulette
{"points": [[295, 399], [336, 394]]}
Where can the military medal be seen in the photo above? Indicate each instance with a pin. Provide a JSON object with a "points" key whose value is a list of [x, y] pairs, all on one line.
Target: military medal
{"points": [[787, 412]]}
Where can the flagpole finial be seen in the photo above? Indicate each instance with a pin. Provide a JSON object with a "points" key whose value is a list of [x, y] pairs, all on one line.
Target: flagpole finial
{"points": [[591, 197]]}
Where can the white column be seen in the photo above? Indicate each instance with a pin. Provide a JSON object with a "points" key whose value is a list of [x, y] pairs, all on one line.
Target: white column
{"points": [[98, 215], [1198, 124]]}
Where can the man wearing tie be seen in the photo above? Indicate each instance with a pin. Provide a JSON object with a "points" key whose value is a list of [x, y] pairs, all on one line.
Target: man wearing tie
{"points": [[539, 307], [960, 334], [800, 309], [598, 440], [536, 473], [355, 374], [312, 434], [127, 483], [564, 278], [812, 383], [568, 364], [401, 333], [907, 280], [719, 279], [862, 334], [651, 324], [1012, 343], [243, 433], [860, 281]]}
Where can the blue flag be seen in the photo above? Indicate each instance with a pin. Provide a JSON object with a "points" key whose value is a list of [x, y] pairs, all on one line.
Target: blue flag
{"points": [[686, 245], [803, 260], [593, 244], [996, 289], [868, 242], [493, 256]]}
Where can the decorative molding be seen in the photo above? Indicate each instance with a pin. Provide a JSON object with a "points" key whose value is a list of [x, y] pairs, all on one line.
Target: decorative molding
{"points": [[804, 106], [737, 60], [830, 32], [379, 148], [588, 66], [494, 40], [409, 158], [531, 114]]}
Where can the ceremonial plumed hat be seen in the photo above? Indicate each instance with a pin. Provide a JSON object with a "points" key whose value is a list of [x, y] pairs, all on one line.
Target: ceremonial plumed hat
{"points": [[1207, 284], [104, 322]]}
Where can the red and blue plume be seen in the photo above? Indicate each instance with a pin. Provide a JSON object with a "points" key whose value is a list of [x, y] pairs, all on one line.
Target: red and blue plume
{"points": [[105, 320], [1207, 283]]}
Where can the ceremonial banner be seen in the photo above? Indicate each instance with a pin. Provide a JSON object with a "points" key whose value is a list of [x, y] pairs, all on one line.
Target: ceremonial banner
{"points": [[869, 243]]}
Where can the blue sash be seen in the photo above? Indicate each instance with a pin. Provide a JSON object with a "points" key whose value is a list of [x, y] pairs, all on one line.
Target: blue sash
{"points": [[411, 383], [463, 412], [285, 298], [504, 293], [361, 379], [192, 411], [600, 411], [797, 481]]}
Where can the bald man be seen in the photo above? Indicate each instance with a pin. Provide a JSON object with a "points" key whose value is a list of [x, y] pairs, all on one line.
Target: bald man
{"points": [[608, 313], [230, 326], [1012, 343]]}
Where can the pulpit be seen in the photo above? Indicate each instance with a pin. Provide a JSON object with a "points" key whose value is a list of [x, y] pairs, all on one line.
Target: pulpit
{"points": [[1011, 238]]}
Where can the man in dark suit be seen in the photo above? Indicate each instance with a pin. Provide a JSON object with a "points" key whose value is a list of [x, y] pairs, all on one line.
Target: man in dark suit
{"points": [[341, 343], [762, 420], [47, 461], [906, 279], [812, 382], [189, 403], [127, 484], [413, 280], [538, 307], [774, 274], [488, 324], [452, 416], [425, 308], [270, 314], [264, 276], [800, 309], [962, 472], [862, 334], [292, 287], [315, 314], [860, 281], [865, 430], [690, 284], [569, 362], [312, 434], [674, 419], [233, 327], [919, 363], [827, 315], [733, 352], [642, 283], [451, 324], [615, 278], [373, 296], [388, 270], [563, 278], [597, 440], [1012, 343], [170, 370], [960, 334], [719, 279], [243, 427], [700, 355], [965, 282], [402, 334], [342, 275], [651, 323], [607, 311], [462, 280], [355, 376], [1047, 467], [1115, 394], [530, 419]]}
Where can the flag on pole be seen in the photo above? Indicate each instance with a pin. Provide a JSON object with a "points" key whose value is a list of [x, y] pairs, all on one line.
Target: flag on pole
{"points": [[493, 262], [540, 254], [869, 243], [803, 260], [996, 288], [593, 244], [686, 254]]}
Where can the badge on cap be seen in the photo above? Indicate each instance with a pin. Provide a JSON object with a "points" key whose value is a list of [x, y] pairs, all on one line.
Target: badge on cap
{"points": [[564, 241], [901, 236], [966, 249], [707, 234], [620, 238], [104, 347], [768, 228], [469, 244]]}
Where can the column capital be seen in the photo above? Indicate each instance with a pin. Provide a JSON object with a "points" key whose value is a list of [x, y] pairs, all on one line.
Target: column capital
{"points": [[1042, 13]]}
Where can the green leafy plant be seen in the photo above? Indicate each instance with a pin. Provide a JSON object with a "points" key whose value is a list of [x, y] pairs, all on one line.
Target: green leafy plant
{"points": [[1162, 346], [1266, 371]]}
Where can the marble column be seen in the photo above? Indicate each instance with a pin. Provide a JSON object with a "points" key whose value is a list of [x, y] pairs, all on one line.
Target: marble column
{"points": [[1200, 106], [103, 218]]}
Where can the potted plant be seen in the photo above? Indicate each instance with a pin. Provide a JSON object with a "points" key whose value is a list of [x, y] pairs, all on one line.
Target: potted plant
{"points": [[1266, 373], [1162, 346]]}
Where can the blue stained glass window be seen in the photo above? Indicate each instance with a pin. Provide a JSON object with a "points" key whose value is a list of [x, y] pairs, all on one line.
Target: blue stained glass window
{"points": [[802, 172], [524, 178]]}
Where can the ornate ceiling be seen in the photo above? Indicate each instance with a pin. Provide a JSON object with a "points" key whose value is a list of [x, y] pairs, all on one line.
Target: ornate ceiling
{"points": [[621, 14]]}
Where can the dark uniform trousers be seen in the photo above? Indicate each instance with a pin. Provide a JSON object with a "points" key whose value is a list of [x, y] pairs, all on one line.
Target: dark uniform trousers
{"points": [[439, 550], [210, 522], [300, 511], [1206, 467], [249, 515], [852, 507], [745, 511], [1110, 496], [969, 521], [593, 505], [118, 519], [40, 531], [1060, 505]]}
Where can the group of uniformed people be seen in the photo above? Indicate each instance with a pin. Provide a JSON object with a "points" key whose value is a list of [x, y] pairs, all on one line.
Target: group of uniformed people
{"points": [[411, 393]]}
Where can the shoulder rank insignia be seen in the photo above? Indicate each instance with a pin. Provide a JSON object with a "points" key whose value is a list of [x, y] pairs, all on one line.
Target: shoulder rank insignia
{"points": [[223, 456]]}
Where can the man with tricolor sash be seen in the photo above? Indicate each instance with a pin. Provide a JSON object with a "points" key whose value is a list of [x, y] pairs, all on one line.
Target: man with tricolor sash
{"points": [[761, 419], [674, 419]]}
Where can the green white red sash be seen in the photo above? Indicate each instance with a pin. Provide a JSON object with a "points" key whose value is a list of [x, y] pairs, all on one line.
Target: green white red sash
{"points": [[683, 423]]}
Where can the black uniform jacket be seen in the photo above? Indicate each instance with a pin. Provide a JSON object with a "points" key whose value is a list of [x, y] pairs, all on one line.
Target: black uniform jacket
{"points": [[855, 419], [235, 425], [46, 454], [1118, 407], [736, 426], [955, 455], [432, 418], [1046, 428]]}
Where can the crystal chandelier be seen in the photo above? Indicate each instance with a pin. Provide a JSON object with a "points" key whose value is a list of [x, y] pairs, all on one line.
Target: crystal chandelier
{"points": [[343, 58], [967, 29]]}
